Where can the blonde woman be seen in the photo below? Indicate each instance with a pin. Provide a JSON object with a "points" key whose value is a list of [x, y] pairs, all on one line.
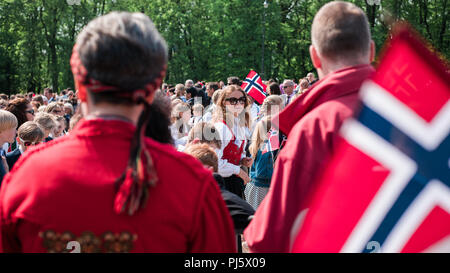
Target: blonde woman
{"points": [[54, 108], [231, 118], [271, 106], [180, 91], [262, 167], [181, 114], [302, 87]]}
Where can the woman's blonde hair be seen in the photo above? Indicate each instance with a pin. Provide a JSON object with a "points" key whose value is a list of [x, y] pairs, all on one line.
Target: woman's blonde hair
{"points": [[7, 120], [198, 108], [221, 113], [260, 135], [270, 103], [216, 95], [177, 113], [51, 106], [179, 90], [179, 109]]}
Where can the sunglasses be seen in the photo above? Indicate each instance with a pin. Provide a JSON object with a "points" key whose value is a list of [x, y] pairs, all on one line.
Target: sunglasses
{"points": [[30, 111], [234, 101], [56, 111], [29, 143]]}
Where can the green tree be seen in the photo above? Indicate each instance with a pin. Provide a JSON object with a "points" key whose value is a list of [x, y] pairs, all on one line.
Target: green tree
{"points": [[207, 39]]}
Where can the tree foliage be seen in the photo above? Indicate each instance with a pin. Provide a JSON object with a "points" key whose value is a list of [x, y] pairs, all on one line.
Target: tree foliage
{"points": [[207, 39]]}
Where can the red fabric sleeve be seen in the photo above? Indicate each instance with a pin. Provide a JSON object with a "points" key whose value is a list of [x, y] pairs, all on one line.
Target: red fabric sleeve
{"points": [[213, 231]]}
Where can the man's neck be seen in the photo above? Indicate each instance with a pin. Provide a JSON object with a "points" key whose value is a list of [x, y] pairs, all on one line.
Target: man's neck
{"points": [[103, 109], [329, 67]]}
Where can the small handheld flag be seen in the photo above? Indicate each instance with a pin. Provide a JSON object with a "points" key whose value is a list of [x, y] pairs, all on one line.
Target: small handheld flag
{"points": [[254, 87]]}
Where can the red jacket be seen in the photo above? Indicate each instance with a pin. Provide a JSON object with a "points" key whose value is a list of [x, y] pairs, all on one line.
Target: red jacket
{"points": [[312, 123], [64, 191]]}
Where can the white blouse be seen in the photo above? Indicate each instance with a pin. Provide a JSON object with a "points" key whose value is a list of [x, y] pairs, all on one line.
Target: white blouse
{"points": [[227, 169]]}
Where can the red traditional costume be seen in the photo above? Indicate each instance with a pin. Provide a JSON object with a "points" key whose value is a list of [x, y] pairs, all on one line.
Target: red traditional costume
{"points": [[64, 191], [311, 122]]}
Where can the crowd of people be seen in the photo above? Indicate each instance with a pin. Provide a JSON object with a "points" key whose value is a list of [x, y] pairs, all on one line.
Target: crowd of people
{"points": [[245, 153], [30, 119], [165, 165]]}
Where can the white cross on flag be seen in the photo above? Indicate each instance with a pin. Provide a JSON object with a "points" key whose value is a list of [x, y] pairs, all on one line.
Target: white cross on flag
{"points": [[254, 87]]}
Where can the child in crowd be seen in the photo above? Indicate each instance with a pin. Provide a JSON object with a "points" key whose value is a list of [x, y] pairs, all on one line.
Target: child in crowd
{"points": [[181, 114], [47, 123], [61, 127], [302, 87], [197, 110], [261, 171], [29, 134]]}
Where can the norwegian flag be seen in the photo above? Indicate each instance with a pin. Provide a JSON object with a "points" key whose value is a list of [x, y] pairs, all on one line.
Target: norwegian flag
{"points": [[388, 187], [273, 141], [254, 87]]}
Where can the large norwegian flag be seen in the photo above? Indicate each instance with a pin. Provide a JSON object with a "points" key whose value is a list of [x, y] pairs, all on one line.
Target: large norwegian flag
{"points": [[254, 87], [387, 187]]}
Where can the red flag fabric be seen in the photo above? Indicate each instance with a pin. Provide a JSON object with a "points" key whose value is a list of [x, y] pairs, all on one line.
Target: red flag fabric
{"points": [[273, 141], [254, 87], [387, 188]]}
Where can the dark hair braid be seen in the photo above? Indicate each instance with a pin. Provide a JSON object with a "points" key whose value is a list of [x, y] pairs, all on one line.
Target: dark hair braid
{"points": [[133, 185]]}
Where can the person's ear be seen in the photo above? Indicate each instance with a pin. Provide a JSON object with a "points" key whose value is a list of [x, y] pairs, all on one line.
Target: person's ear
{"points": [[18, 140], [315, 57], [372, 51]]}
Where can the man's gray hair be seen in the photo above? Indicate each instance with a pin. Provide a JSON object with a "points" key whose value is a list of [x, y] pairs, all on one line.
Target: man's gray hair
{"points": [[288, 83]]}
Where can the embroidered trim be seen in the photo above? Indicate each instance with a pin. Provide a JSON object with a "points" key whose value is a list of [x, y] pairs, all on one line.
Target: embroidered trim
{"points": [[108, 242]]}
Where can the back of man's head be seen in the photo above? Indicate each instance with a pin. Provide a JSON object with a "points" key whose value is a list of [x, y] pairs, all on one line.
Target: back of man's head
{"points": [[116, 50], [340, 32]]}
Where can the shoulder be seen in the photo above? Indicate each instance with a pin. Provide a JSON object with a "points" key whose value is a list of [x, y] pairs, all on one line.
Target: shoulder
{"points": [[318, 129], [329, 115]]}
